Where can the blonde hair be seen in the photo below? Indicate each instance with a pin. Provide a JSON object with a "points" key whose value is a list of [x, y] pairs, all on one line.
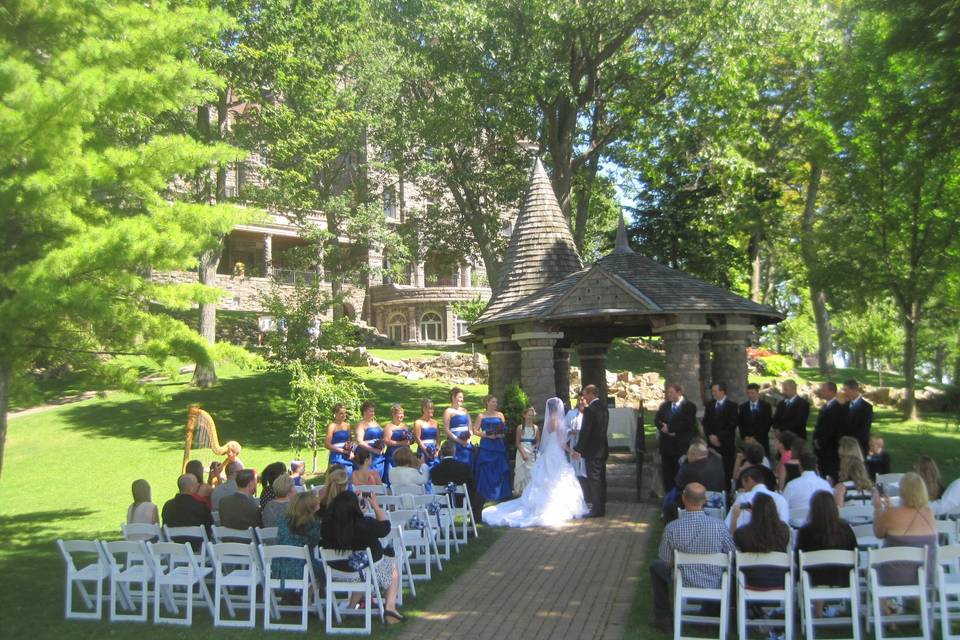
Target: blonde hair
{"points": [[853, 469], [334, 484], [849, 447], [282, 485], [233, 447], [301, 512], [403, 457], [913, 491], [926, 467], [141, 491]]}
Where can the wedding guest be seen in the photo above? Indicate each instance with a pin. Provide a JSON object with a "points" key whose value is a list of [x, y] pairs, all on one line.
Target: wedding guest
{"points": [[456, 425], [753, 486], [204, 490], [860, 420], [752, 458], [233, 453], [370, 438], [792, 412], [492, 469], [363, 471], [878, 460], [693, 532], [276, 508], [270, 473], [227, 488], [854, 486], [528, 441], [296, 472], [785, 441], [926, 467], [949, 502], [824, 530], [676, 423], [702, 465], [299, 527], [395, 436], [346, 528], [791, 470], [183, 511], [831, 424], [766, 533], [142, 511], [334, 483], [453, 471], [408, 469], [241, 509], [720, 426], [426, 432], [799, 491], [339, 439], [755, 418]]}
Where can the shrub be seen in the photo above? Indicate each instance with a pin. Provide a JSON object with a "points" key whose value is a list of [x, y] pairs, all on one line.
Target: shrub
{"points": [[776, 365], [512, 404]]}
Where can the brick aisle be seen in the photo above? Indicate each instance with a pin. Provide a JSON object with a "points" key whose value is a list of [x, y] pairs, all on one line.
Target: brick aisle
{"points": [[575, 582]]}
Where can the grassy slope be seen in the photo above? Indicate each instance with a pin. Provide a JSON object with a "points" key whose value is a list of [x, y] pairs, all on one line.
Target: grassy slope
{"points": [[68, 471]]}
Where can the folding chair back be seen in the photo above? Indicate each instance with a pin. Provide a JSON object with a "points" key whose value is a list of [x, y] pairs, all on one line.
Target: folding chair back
{"points": [[809, 593], [948, 589], [85, 563], [391, 503], [303, 581], [378, 489], [857, 514], [946, 532], [235, 565], [226, 534], [137, 531], [417, 537], [267, 535], [916, 556], [196, 536], [175, 565], [349, 572], [684, 593], [748, 599], [129, 566], [407, 489]]}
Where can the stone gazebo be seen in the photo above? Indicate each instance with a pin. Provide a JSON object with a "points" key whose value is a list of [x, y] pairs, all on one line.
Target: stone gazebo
{"points": [[547, 304]]}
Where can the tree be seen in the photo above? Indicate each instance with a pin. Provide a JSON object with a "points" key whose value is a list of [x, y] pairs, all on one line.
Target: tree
{"points": [[86, 201]]}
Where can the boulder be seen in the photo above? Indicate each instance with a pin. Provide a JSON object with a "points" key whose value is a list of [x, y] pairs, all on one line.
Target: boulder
{"points": [[413, 375]]}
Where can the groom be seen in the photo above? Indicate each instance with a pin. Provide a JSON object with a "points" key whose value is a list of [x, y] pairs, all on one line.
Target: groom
{"points": [[592, 447]]}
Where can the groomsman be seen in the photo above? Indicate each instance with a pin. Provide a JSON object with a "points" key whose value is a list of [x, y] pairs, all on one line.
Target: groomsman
{"points": [[860, 420], [676, 423], [756, 416], [831, 424], [792, 412], [720, 426]]}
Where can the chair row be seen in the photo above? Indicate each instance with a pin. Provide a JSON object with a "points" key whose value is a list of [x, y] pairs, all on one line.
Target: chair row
{"points": [[820, 604], [156, 533]]}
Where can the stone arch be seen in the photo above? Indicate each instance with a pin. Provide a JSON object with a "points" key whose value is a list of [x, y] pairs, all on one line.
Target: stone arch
{"points": [[397, 327], [431, 326]]}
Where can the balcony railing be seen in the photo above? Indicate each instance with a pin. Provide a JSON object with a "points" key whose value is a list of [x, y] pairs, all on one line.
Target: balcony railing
{"points": [[293, 276]]}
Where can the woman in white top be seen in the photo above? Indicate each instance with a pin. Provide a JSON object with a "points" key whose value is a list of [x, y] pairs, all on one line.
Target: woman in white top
{"points": [[408, 469], [142, 511], [528, 441]]}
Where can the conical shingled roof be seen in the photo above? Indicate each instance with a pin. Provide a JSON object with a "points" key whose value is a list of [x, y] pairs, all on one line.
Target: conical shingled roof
{"points": [[541, 250]]}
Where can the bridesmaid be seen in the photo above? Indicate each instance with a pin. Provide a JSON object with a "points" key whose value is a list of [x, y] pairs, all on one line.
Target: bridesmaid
{"points": [[528, 440], [395, 435], [426, 432], [370, 436], [456, 424], [338, 441], [492, 470]]}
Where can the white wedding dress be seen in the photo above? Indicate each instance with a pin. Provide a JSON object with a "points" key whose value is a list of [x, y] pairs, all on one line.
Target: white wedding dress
{"points": [[552, 495]]}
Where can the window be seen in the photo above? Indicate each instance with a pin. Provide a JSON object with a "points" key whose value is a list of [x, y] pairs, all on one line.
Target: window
{"points": [[396, 327], [431, 327], [390, 204], [462, 328]]}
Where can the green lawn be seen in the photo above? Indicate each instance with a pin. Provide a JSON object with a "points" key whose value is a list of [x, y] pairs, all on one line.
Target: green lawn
{"points": [[67, 474], [626, 357], [417, 353]]}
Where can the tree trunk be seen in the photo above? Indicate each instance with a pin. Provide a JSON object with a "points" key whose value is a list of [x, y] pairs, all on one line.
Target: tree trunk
{"points": [[583, 203], [911, 329], [817, 296], [754, 251], [6, 376], [939, 362]]}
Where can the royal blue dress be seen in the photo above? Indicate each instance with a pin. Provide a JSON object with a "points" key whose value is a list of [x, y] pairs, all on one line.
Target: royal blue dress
{"points": [[341, 437], [388, 459], [373, 436], [429, 437], [492, 471], [460, 427]]}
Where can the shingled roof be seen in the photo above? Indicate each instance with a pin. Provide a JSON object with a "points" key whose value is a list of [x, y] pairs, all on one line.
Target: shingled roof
{"points": [[541, 249]]}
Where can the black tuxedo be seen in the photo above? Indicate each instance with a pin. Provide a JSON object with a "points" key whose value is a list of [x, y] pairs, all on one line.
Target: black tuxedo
{"points": [[859, 422], [792, 416], [708, 472], [757, 425], [452, 470], [831, 425], [682, 426], [183, 510], [723, 424], [592, 445]]}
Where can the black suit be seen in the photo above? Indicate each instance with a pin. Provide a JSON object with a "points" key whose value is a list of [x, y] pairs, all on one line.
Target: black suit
{"points": [[708, 472], [831, 425], [184, 511], [592, 445], [682, 426], [723, 424], [859, 422], [792, 416], [452, 470], [757, 425]]}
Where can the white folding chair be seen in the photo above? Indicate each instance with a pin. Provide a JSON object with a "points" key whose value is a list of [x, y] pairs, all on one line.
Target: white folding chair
{"points": [[378, 489], [464, 511], [350, 572], [304, 582], [175, 565], [235, 565], [890, 483], [85, 563], [781, 598], [226, 534], [266, 535], [216, 517], [918, 589], [856, 514], [407, 489], [810, 593], [402, 556], [683, 594], [948, 589], [716, 502], [137, 531], [416, 536], [440, 519], [946, 532], [127, 568], [391, 503]]}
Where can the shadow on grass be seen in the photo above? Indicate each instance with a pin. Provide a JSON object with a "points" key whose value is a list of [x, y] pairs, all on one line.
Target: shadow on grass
{"points": [[27, 529]]}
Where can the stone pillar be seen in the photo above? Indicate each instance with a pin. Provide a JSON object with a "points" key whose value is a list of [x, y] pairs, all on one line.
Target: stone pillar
{"points": [[449, 323], [681, 341], [503, 363], [593, 365], [419, 276], [706, 373], [561, 373], [466, 276], [730, 341], [268, 254], [537, 376], [413, 325]]}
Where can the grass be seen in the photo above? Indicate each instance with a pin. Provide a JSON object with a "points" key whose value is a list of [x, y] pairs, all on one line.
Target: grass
{"points": [[623, 356], [417, 353], [68, 470]]}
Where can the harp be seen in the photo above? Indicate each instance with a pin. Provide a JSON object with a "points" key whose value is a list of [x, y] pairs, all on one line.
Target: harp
{"points": [[201, 434]]}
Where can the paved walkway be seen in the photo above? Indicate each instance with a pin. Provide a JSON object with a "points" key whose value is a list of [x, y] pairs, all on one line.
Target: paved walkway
{"points": [[575, 582]]}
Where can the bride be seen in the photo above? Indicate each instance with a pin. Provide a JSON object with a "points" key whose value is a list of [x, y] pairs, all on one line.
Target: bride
{"points": [[552, 495]]}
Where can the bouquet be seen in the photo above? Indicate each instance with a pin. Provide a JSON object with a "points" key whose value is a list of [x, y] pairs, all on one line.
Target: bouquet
{"points": [[347, 447], [401, 435], [499, 430], [377, 444]]}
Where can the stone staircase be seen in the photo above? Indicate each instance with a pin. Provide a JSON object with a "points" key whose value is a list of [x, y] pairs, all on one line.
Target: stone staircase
{"points": [[622, 471]]}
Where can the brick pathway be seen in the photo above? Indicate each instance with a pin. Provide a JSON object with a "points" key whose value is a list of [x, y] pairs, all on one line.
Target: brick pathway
{"points": [[575, 582]]}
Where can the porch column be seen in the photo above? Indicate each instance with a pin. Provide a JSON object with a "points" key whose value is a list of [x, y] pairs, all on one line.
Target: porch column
{"points": [[413, 326], [419, 277], [503, 363], [593, 365], [449, 323], [561, 373], [466, 276], [537, 374], [681, 341], [730, 341], [268, 254], [706, 371]]}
